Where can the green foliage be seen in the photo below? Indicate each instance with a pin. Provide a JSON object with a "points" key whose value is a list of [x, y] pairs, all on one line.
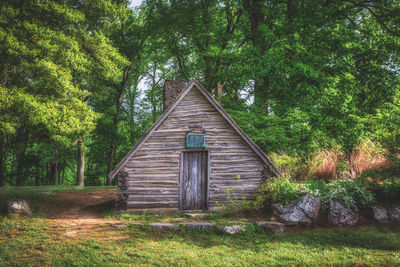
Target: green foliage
{"points": [[56, 61], [317, 188], [291, 165], [349, 192], [60, 60], [385, 124], [287, 133], [297, 76], [352, 194], [283, 190]]}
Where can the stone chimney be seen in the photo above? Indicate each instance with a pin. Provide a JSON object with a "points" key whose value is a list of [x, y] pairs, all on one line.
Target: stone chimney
{"points": [[171, 90]]}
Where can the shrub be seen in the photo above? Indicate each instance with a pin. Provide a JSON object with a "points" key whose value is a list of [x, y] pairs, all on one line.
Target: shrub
{"points": [[349, 192], [317, 188], [276, 190], [282, 190], [262, 198]]}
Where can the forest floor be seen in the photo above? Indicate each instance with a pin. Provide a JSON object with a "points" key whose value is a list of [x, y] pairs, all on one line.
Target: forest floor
{"points": [[73, 226]]}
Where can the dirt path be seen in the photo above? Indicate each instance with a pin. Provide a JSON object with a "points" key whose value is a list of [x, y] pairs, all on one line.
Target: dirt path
{"points": [[84, 217], [86, 204]]}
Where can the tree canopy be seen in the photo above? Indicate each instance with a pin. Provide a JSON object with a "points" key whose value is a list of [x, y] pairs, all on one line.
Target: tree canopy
{"points": [[86, 77]]}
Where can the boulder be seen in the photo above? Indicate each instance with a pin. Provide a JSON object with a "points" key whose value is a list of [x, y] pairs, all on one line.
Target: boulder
{"points": [[339, 215], [394, 214], [18, 207], [380, 214], [270, 227], [234, 229], [302, 211], [163, 226]]}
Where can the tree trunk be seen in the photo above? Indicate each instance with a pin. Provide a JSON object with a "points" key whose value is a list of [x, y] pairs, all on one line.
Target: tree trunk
{"points": [[110, 164], [56, 169], [257, 20], [63, 172], [2, 182], [261, 94], [37, 175], [289, 10], [219, 91], [49, 174], [41, 182], [80, 175], [12, 168], [209, 75], [23, 137], [118, 103]]}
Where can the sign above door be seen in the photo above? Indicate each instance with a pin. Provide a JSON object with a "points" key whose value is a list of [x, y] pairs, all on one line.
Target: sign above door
{"points": [[194, 140]]}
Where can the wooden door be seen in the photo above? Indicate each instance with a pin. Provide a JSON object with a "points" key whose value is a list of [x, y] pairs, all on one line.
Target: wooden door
{"points": [[194, 168]]}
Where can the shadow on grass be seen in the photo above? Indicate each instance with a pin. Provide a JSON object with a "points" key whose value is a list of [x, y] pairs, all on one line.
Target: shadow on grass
{"points": [[385, 238], [103, 208], [46, 201]]}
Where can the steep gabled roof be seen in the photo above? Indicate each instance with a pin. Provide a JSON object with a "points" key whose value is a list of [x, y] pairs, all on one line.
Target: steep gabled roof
{"points": [[216, 105]]}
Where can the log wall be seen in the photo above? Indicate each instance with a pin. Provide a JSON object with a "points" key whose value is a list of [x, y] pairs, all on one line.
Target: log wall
{"points": [[150, 179]]}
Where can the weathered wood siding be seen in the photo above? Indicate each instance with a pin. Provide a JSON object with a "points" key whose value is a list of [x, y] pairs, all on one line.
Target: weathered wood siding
{"points": [[152, 174]]}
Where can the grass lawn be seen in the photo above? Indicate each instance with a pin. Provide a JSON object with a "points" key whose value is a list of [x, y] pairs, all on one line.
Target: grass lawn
{"points": [[39, 240]]}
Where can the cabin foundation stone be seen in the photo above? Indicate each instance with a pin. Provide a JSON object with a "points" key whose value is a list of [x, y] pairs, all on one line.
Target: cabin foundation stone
{"points": [[234, 229], [198, 225], [164, 226]]}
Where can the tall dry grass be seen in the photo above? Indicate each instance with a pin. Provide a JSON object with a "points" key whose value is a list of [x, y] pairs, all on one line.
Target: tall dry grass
{"points": [[368, 155], [325, 164]]}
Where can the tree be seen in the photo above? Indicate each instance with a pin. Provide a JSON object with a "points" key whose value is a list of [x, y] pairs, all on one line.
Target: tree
{"points": [[199, 36], [62, 53], [385, 124]]}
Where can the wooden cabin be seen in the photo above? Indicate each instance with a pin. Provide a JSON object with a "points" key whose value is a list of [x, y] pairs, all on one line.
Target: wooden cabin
{"points": [[193, 157]]}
